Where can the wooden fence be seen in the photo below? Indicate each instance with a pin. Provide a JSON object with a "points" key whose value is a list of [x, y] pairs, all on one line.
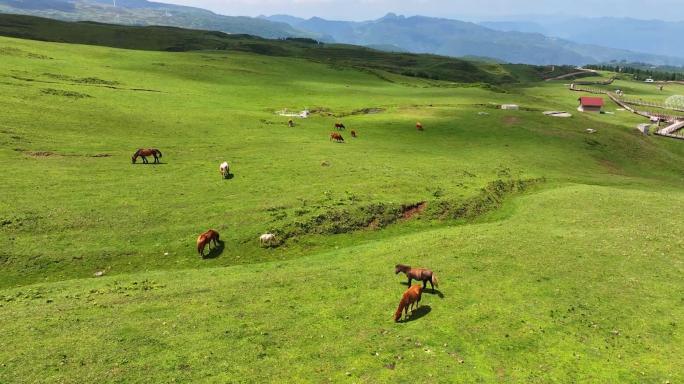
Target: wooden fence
{"points": [[626, 104]]}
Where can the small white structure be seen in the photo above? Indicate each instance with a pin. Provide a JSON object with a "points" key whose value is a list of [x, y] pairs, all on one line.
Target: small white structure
{"points": [[644, 128], [267, 239], [303, 114], [649, 80], [557, 114], [510, 107], [590, 130]]}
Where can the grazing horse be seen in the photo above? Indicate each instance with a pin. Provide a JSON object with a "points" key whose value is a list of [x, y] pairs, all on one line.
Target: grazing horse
{"points": [[267, 239], [353, 133], [340, 126], [144, 152], [224, 169], [207, 238], [290, 123], [420, 274], [337, 137], [409, 299], [419, 126]]}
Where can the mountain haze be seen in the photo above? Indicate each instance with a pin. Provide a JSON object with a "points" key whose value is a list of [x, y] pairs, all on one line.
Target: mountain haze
{"points": [[143, 12], [576, 42], [649, 36], [458, 38]]}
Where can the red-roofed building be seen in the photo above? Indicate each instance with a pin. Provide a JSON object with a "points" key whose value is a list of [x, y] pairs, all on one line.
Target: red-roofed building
{"points": [[590, 104]]}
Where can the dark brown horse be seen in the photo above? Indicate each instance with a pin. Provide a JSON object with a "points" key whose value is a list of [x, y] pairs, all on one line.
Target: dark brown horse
{"points": [[337, 137], [207, 238], [144, 152], [340, 126], [291, 123], [419, 126], [353, 133], [420, 274]]}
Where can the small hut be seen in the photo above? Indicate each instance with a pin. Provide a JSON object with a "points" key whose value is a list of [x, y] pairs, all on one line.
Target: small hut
{"points": [[590, 104]]}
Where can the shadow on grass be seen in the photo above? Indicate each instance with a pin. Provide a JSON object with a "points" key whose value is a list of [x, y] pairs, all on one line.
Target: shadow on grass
{"points": [[419, 313], [150, 163], [229, 176], [216, 251]]}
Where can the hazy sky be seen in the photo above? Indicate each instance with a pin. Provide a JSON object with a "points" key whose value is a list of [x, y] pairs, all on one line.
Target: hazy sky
{"points": [[457, 9]]}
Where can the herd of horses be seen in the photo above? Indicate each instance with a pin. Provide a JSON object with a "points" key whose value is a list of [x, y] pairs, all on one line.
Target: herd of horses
{"points": [[411, 297]]}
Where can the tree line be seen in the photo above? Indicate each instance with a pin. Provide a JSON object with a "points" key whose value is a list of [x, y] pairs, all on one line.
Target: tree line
{"points": [[640, 73]]}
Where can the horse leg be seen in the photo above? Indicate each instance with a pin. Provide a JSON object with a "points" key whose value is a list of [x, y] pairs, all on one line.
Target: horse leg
{"points": [[409, 283], [424, 284], [432, 285], [144, 160]]}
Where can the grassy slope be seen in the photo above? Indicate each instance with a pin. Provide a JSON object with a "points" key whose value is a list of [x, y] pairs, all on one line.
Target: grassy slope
{"points": [[176, 39], [531, 293]]}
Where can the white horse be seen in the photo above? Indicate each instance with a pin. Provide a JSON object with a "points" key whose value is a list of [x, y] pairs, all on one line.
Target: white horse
{"points": [[225, 171], [267, 239]]}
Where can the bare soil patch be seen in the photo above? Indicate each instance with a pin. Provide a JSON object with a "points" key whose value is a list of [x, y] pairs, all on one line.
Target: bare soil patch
{"points": [[409, 211]]}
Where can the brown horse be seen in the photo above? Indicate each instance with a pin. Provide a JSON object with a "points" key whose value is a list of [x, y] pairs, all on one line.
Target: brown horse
{"points": [[409, 299], [290, 123], [419, 126], [144, 152], [353, 133], [340, 126], [420, 274], [207, 238], [337, 137]]}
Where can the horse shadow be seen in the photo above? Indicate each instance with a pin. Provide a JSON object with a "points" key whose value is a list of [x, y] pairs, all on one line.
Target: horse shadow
{"points": [[216, 251], [229, 176], [428, 290], [419, 313], [150, 163]]}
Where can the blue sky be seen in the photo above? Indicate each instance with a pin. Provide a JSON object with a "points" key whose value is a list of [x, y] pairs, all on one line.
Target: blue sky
{"points": [[672, 10]]}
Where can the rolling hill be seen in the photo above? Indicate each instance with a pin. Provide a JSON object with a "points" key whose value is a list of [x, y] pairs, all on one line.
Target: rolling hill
{"points": [[557, 251], [178, 40]]}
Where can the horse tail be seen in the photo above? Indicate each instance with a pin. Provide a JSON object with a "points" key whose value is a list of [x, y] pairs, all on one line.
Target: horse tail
{"points": [[433, 279], [402, 305]]}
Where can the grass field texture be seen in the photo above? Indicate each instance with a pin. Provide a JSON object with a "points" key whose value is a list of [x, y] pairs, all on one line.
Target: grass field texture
{"points": [[575, 278]]}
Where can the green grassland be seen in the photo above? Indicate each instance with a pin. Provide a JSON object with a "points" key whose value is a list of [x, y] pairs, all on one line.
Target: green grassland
{"points": [[559, 253]]}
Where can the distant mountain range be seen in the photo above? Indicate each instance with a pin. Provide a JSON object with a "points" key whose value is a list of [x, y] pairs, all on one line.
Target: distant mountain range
{"points": [[520, 43], [578, 42], [648, 36], [143, 12]]}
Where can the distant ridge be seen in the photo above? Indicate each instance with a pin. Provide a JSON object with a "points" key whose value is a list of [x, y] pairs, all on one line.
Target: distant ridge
{"points": [[143, 12], [159, 38], [458, 38]]}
